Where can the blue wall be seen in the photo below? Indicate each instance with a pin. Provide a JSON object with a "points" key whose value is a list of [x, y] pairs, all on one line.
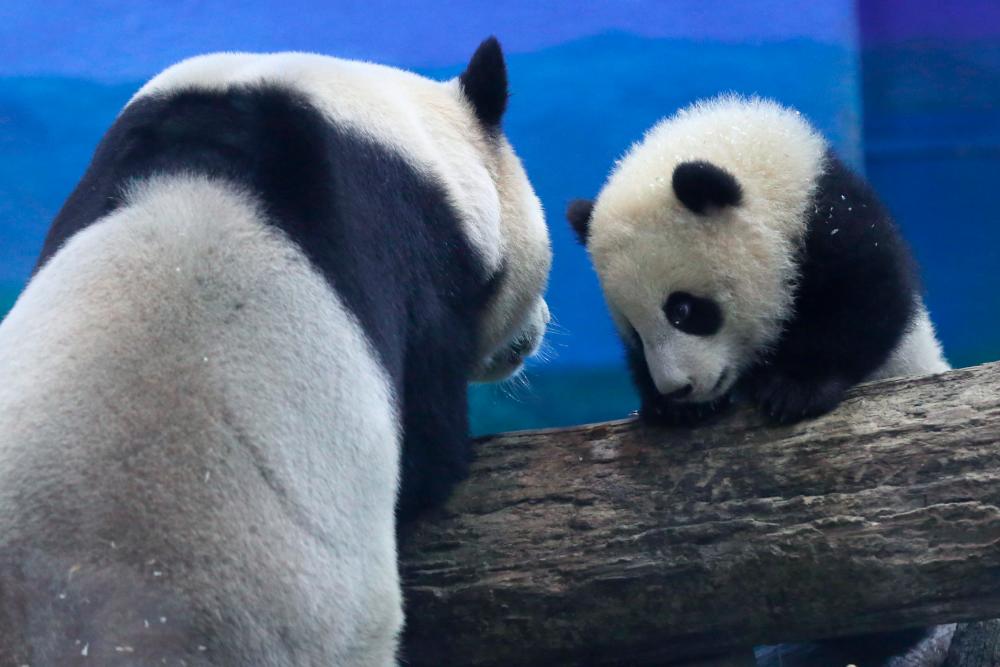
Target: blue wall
{"points": [[587, 80], [931, 87]]}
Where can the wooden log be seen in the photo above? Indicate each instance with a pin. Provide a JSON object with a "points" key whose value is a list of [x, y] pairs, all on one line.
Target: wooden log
{"points": [[744, 658], [619, 544], [975, 645]]}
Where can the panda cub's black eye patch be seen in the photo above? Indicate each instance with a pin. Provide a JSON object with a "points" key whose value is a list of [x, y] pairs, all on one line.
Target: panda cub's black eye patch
{"points": [[693, 315]]}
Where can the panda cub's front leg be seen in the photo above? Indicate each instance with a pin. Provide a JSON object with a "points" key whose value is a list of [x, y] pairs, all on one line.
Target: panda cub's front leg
{"points": [[785, 399]]}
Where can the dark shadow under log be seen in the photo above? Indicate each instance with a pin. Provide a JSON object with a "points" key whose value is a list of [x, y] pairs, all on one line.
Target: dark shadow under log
{"points": [[975, 645], [617, 544]]}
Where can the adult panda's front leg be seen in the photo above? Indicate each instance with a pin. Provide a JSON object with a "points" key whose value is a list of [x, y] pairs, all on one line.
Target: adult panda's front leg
{"points": [[436, 451]]}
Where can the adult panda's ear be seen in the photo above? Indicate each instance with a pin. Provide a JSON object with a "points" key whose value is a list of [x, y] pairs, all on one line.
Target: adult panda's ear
{"points": [[484, 83], [700, 185], [579, 213]]}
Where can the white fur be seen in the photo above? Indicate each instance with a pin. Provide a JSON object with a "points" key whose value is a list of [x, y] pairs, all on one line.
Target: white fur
{"points": [[646, 244], [919, 353], [431, 124], [200, 354]]}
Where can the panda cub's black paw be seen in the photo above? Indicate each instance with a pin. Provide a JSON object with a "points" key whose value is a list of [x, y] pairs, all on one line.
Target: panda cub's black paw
{"points": [[786, 400], [661, 412]]}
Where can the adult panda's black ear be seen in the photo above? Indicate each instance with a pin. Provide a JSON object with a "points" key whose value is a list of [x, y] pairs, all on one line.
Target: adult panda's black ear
{"points": [[579, 213], [484, 83], [701, 185]]}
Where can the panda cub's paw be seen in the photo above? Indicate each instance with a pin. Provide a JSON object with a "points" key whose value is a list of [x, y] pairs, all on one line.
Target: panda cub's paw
{"points": [[786, 400], [661, 412]]}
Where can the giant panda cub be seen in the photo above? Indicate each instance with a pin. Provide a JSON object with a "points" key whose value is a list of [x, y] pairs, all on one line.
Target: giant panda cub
{"points": [[736, 250], [245, 351], [738, 253]]}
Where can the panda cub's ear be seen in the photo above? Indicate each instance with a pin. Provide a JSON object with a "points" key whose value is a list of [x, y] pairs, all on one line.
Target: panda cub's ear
{"points": [[484, 83], [578, 213], [700, 185]]}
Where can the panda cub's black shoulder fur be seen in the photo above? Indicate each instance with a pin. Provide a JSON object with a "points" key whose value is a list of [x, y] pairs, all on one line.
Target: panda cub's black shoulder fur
{"points": [[856, 297]]}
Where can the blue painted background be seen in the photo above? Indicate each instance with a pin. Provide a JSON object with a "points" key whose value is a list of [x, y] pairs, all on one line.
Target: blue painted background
{"points": [[906, 91]]}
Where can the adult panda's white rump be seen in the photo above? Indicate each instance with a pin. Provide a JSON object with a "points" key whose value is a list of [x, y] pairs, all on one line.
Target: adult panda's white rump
{"points": [[193, 426]]}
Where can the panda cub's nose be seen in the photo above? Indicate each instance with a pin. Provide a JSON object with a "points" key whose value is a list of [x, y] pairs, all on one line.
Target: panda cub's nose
{"points": [[678, 394]]}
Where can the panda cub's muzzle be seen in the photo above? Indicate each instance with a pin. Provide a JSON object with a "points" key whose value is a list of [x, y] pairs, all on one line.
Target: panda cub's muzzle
{"points": [[524, 344]]}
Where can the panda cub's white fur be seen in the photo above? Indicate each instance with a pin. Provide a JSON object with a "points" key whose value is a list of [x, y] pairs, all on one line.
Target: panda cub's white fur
{"points": [[919, 353], [719, 205]]}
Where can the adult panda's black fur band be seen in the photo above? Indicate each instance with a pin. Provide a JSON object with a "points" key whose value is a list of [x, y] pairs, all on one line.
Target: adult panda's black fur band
{"points": [[700, 185], [332, 191], [579, 213], [484, 83]]}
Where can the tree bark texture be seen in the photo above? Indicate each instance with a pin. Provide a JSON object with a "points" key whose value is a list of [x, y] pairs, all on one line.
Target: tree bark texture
{"points": [[621, 544], [975, 645]]}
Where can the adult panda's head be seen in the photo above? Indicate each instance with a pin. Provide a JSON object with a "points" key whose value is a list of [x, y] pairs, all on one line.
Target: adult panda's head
{"points": [[696, 236], [450, 133], [517, 315]]}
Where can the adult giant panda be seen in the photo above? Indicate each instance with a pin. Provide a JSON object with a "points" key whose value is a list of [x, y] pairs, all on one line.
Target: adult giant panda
{"points": [[256, 314], [737, 253]]}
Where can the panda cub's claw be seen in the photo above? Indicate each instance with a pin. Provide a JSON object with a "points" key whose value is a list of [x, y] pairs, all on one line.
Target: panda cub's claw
{"points": [[786, 400], [661, 412]]}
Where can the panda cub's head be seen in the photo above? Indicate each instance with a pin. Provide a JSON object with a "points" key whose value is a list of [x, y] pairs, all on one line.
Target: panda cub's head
{"points": [[695, 237]]}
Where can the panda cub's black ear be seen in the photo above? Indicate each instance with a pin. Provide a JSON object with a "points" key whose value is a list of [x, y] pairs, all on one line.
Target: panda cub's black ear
{"points": [[700, 185], [578, 213], [484, 83]]}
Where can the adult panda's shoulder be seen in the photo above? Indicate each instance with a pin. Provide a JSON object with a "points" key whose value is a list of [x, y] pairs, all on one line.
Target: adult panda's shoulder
{"points": [[319, 178]]}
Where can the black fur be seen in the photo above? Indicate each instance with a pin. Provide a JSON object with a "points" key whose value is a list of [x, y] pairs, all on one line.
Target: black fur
{"points": [[578, 213], [484, 83], [693, 315], [383, 234], [700, 185], [856, 298]]}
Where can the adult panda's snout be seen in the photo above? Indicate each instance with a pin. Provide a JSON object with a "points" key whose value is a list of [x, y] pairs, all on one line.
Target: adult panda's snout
{"points": [[524, 344], [527, 342]]}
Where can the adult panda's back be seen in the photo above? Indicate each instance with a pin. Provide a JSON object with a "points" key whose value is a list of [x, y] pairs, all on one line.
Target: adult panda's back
{"points": [[337, 160], [166, 373]]}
